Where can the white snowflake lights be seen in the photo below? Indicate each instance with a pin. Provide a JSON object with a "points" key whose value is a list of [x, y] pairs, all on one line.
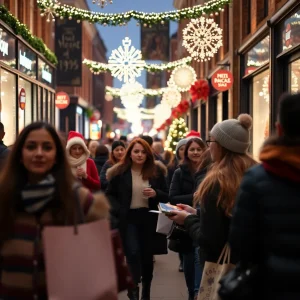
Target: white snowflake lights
{"points": [[182, 77], [126, 63], [50, 11], [171, 97], [202, 38], [102, 3], [131, 95]]}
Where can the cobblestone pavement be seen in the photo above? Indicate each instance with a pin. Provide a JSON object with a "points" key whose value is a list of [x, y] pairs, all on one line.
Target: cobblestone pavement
{"points": [[168, 283]]}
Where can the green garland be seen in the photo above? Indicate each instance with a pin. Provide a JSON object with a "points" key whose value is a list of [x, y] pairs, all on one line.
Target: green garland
{"points": [[24, 32], [53, 8], [98, 67]]}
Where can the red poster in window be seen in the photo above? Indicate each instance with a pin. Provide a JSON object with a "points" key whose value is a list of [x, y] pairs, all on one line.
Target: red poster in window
{"points": [[62, 100], [22, 98], [222, 80]]}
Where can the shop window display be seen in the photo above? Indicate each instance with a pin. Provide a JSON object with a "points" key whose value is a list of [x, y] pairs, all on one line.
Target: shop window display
{"points": [[260, 110], [291, 31], [8, 106], [295, 76]]}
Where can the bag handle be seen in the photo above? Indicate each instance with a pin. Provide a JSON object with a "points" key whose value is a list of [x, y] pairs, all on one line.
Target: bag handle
{"points": [[78, 212], [225, 254]]}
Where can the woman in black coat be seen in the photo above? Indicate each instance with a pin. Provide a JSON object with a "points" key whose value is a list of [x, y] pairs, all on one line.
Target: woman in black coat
{"points": [[101, 157], [181, 192], [136, 185]]}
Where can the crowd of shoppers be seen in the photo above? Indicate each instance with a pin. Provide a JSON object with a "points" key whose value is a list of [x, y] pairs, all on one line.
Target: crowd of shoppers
{"points": [[225, 197]]}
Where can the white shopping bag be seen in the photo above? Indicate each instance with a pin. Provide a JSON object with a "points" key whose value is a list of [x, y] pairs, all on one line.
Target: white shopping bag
{"points": [[164, 224]]}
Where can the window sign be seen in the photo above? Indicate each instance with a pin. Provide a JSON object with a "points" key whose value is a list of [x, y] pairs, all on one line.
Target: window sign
{"points": [[45, 73], [258, 55], [291, 31], [7, 48], [27, 61]]}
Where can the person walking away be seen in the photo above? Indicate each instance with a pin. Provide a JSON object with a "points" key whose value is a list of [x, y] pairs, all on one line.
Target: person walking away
{"points": [[4, 151], [83, 167], [229, 142], [136, 185], [92, 148], [181, 192], [100, 158], [117, 152], [37, 190], [265, 226]]}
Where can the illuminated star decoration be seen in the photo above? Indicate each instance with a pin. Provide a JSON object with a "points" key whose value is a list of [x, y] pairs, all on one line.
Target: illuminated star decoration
{"points": [[102, 3], [126, 62], [202, 38], [50, 11], [182, 77]]}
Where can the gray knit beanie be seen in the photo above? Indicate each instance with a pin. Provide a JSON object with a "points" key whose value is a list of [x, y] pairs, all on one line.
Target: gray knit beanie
{"points": [[234, 134], [181, 142]]}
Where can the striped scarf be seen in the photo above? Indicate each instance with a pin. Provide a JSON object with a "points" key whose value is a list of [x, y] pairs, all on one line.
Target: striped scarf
{"points": [[37, 196]]}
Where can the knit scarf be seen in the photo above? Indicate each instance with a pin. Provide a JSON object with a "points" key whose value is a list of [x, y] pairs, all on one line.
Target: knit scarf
{"points": [[78, 162], [36, 196]]}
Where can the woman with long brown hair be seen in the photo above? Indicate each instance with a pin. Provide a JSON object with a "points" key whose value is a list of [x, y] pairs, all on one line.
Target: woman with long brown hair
{"points": [[229, 142], [37, 189], [136, 185]]}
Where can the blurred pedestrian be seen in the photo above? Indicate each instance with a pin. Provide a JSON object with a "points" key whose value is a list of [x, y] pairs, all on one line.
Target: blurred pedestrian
{"points": [[3, 148], [37, 190], [83, 167], [117, 152], [101, 157], [92, 148]]}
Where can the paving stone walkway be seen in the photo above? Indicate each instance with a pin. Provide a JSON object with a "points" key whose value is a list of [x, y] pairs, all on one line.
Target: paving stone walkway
{"points": [[168, 283]]}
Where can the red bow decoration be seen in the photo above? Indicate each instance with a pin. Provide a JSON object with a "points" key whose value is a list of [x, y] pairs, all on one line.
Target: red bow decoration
{"points": [[199, 90]]}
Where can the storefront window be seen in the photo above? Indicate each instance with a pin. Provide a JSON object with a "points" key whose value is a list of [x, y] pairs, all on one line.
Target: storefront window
{"points": [[45, 102], [8, 106], [79, 119], [295, 76], [220, 108], [258, 55], [291, 31], [8, 48], [27, 113], [260, 110], [40, 103], [35, 103], [27, 61]]}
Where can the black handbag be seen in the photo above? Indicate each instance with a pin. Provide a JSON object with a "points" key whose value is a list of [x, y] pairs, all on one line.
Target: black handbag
{"points": [[179, 239], [239, 283]]}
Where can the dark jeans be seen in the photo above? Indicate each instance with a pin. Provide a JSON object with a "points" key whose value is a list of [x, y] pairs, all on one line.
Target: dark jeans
{"points": [[189, 271], [138, 245]]}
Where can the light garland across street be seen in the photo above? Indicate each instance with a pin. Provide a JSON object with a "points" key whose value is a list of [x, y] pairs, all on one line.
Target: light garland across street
{"points": [[146, 92], [120, 19], [98, 67]]}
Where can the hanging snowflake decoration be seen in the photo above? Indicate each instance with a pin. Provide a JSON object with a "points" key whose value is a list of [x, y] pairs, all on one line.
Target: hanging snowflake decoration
{"points": [[126, 63], [202, 38], [102, 3], [182, 77], [50, 11], [171, 97], [131, 94]]}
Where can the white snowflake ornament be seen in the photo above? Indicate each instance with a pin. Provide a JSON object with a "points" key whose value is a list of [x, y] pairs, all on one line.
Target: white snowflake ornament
{"points": [[131, 94], [126, 62], [171, 97], [182, 78], [202, 38]]}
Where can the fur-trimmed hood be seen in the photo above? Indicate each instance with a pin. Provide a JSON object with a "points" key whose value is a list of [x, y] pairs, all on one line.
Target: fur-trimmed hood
{"points": [[115, 170]]}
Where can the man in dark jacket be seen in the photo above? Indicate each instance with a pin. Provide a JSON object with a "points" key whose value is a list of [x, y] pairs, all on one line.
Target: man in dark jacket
{"points": [[3, 148], [265, 227]]}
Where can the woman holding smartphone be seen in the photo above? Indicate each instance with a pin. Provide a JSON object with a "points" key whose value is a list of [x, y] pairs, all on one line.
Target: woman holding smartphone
{"points": [[136, 185]]}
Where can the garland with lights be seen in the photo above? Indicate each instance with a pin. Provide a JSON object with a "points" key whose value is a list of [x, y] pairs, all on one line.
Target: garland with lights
{"points": [[120, 19], [146, 92], [98, 67], [22, 30]]}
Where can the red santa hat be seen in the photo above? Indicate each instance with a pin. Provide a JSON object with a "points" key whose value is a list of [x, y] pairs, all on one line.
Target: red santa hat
{"points": [[193, 133], [76, 138]]}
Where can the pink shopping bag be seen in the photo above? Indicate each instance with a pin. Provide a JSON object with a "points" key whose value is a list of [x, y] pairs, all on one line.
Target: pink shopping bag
{"points": [[80, 263]]}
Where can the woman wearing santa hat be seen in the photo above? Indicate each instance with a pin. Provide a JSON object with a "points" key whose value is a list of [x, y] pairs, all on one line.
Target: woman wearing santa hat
{"points": [[82, 166]]}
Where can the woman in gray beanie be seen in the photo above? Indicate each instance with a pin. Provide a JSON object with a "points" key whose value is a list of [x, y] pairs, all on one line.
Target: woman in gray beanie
{"points": [[229, 142]]}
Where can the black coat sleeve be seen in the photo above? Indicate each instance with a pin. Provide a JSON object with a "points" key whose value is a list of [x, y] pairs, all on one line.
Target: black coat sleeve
{"points": [[244, 229], [103, 180], [113, 197], [175, 193]]}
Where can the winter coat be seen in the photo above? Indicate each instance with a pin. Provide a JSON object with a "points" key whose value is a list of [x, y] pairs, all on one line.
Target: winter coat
{"points": [[265, 228], [119, 193], [3, 154], [182, 186], [92, 181], [22, 271], [99, 162], [103, 178]]}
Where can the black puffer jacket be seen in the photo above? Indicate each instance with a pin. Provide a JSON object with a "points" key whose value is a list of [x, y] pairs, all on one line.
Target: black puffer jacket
{"points": [[265, 227]]}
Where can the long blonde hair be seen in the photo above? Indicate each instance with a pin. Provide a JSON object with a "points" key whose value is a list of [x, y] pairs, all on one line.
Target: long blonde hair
{"points": [[227, 174]]}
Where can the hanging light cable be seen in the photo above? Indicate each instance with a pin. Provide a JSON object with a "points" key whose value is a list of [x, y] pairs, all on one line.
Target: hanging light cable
{"points": [[102, 3]]}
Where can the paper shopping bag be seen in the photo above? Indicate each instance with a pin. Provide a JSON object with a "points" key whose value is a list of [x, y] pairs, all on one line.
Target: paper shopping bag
{"points": [[80, 265], [212, 274], [164, 224]]}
